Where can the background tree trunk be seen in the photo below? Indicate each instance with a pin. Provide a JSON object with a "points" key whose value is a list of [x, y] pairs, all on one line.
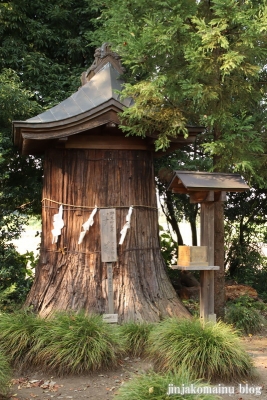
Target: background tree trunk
{"points": [[72, 276], [219, 276]]}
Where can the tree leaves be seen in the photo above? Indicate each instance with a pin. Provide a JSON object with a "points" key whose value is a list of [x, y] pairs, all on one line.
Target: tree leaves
{"points": [[195, 63], [43, 51]]}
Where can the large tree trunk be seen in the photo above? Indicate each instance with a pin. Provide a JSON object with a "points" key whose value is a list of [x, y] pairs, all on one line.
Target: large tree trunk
{"points": [[72, 276]]}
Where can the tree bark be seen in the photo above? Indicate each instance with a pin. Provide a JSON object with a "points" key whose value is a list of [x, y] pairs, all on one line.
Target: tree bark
{"points": [[172, 220], [219, 276], [193, 225], [72, 276]]}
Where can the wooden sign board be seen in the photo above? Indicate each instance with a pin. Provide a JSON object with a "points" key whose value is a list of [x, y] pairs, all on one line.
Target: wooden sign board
{"points": [[110, 318], [108, 235]]}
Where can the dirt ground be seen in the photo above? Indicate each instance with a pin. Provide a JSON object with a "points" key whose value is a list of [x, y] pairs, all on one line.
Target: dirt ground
{"points": [[103, 385]]}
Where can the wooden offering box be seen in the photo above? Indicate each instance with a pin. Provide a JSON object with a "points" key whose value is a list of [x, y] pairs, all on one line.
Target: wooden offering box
{"points": [[189, 256]]}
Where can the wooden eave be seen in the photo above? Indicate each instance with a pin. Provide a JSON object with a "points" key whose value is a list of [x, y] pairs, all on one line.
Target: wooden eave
{"points": [[35, 138], [26, 134]]}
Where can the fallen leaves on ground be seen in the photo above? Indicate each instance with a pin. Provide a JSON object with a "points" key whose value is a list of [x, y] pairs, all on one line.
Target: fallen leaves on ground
{"points": [[26, 383]]}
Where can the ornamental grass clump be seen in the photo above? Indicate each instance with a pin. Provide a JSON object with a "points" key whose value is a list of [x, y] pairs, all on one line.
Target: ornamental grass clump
{"points": [[5, 374], [208, 351], [135, 336], [17, 336], [155, 386], [77, 343]]}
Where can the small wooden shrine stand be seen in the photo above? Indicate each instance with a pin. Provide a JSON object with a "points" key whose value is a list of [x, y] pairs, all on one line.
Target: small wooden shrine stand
{"points": [[206, 188]]}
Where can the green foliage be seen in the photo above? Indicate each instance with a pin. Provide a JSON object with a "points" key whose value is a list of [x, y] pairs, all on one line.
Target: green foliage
{"points": [[45, 44], [20, 177], [195, 63], [15, 276], [249, 302], [17, 102], [245, 314], [155, 386], [20, 191], [135, 336], [245, 232], [17, 336], [14, 267], [76, 343], [66, 343], [168, 247], [210, 351], [5, 374]]}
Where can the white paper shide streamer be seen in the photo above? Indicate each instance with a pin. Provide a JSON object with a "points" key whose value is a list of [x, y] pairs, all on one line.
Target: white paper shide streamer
{"points": [[126, 225], [58, 224], [87, 224]]}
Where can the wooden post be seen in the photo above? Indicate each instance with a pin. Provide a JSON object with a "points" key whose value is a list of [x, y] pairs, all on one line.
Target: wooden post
{"points": [[110, 289], [207, 277]]}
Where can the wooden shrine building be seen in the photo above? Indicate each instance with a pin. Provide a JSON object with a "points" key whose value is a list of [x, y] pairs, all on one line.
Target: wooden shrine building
{"points": [[94, 178]]}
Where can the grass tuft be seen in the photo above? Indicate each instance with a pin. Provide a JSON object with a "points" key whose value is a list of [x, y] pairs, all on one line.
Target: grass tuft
{"points": [[5, 374], [77, 343], [135, 336], [66, 343], [208, 352], [17, 336], [155, 386]]}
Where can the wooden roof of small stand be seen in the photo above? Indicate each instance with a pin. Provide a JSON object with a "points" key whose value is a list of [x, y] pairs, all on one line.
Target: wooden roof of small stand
{"points": [[206, 186], [90, 111], [185, 181]]}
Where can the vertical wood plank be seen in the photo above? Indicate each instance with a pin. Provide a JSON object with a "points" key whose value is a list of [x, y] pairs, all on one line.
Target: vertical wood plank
{"points": [[207, 277]]}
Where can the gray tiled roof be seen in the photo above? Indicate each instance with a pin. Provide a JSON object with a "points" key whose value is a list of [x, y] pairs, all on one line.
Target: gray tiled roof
{"points": [[101, 88]]}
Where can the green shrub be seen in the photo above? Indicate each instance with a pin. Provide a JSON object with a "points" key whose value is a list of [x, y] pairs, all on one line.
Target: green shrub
{"points": [[245, 314], [15, 276], [211, 351], [135, 336], [5, 374], [168, 248], [154, 387], [17, 336], [77, 343]]}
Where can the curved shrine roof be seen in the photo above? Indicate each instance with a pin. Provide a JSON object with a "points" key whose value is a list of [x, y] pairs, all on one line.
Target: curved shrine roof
{"points": [[96, 104], [101, 88]]}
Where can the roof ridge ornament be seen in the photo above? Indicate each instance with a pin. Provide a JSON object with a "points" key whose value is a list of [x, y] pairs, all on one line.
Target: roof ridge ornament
{"points": [[103, 55]]}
